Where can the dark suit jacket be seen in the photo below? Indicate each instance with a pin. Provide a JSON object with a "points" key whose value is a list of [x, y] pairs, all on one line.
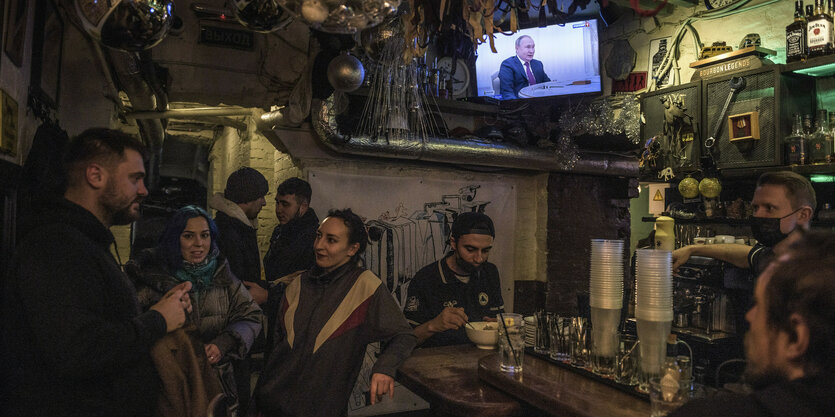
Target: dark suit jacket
{"points": [[512, 76]]}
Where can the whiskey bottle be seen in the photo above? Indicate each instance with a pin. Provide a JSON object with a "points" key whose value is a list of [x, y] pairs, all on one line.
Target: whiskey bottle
{"points": [[820, 141], [819, 31], [796, 35], [795, 143]]}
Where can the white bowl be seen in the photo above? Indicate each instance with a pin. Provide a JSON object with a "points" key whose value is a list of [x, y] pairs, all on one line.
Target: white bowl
{"points": [[483, 333]]}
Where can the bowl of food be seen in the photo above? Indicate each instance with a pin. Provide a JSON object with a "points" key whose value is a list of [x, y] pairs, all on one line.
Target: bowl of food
{"points": [[483, 333]]}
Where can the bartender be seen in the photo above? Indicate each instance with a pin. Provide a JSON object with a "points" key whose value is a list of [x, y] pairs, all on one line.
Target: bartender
{"points": [[783, 205], [444, 295]]}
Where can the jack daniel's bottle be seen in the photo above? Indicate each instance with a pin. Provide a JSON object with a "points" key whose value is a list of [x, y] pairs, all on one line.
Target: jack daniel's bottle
{"points": [[796, 35], [819, 31], [795, 144]]}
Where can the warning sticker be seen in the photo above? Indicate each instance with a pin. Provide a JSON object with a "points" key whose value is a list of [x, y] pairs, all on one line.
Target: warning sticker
{"points": [[658, 196]]}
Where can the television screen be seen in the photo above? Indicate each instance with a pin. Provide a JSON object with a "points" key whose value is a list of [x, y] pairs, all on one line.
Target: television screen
{"points": [[549, 61]]}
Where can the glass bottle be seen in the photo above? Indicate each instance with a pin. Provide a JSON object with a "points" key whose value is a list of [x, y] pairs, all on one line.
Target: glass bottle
{"points": [[795, 143], [671, 371], [808, 124], [820, 142], [796, 35], [832, 136], [819, 31]]}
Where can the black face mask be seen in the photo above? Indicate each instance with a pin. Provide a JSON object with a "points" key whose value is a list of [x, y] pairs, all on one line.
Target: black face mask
{"points": [[767, 230]]}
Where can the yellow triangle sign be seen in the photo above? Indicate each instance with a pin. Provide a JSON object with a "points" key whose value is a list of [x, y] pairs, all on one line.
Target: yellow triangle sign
{"points": [[658, 196]]}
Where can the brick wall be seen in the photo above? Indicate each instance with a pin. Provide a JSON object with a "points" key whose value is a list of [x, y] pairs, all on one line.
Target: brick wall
{"points": [[581, 208]]}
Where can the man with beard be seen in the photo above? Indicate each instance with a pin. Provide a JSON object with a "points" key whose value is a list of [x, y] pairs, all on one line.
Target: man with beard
{"points": [[445, 294], [74, 341], [783, 205], [790, 346], [237, 226]]}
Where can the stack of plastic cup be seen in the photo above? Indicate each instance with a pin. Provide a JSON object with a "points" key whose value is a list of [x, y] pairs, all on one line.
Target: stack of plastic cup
{"points": [[653, 308], [606, 300]]}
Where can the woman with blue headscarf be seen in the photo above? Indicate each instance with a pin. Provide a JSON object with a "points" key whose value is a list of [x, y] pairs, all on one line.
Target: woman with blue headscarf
{"points": [[226, 317]]}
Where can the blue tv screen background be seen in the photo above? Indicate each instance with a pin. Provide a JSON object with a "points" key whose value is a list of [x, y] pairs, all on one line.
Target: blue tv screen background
{"points": [[569, 54]]}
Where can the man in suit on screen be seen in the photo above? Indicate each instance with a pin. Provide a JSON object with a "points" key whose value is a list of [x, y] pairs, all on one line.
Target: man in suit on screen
{"points": [[521, 70]]}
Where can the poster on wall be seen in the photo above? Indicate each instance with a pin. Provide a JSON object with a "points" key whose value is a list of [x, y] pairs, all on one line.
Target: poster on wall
{"points": [[408, 220], [14, 35], [658, 50], [46, 56]]}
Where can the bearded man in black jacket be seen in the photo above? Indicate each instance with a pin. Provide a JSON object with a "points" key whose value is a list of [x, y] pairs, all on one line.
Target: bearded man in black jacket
{"points": [[74, 340]]}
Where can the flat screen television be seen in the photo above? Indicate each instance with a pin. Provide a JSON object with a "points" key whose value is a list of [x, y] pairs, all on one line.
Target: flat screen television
{"points": [[569, 57]]}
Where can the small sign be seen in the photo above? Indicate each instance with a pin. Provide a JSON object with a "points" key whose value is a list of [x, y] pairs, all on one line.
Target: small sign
{"points": [[658, 196], [656, 205], [228, 38], [635, 81]]}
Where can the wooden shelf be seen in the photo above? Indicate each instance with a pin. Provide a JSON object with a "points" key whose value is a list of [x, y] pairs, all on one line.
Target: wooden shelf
{"points": [[731, 222], [821, 66], [826, 168]]}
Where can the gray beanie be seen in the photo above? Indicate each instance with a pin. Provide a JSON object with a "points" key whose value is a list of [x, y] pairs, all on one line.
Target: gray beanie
{"points": [[245, 185]]}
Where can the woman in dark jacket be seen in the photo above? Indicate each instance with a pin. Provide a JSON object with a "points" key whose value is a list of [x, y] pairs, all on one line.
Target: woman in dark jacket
{"points": [[227, 318]]}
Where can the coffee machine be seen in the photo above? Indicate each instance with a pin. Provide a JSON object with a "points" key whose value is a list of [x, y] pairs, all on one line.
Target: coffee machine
{"points": [[710, 299]]}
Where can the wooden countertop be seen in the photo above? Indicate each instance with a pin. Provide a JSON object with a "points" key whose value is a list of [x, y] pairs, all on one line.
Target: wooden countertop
{"points": [[559, 391], [447, 377]]}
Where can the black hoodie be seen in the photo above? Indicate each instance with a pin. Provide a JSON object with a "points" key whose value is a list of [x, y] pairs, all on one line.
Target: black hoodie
{"points": [[74, 341]]}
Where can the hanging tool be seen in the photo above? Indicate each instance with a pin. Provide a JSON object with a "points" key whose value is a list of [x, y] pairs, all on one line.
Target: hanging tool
{"points": [[735, 84]]}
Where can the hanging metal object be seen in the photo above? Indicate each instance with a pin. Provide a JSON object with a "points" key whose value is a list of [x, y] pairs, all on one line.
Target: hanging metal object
{"points": [[130, 25]]}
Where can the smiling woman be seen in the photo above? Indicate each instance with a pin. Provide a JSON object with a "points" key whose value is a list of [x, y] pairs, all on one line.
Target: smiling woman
{"points": [[227, 320]]}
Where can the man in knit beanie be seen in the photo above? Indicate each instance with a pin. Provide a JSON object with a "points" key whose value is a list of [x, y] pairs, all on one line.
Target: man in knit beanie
{"points": [[237, 224]]}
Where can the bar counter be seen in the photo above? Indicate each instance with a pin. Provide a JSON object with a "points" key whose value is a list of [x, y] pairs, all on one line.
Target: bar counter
{"points": [[463, 380], [447, 377], [559, 391]]}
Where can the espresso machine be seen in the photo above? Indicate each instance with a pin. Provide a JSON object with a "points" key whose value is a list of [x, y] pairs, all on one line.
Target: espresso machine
{"points": [[710, 299]]}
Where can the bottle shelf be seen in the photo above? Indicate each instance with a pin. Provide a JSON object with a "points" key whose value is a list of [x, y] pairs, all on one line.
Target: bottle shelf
{"points": [[808, 169]]}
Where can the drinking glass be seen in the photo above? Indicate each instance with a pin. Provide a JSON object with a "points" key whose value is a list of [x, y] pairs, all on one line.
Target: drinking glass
{"points": [[511, 341], [579, 341], [541, 336], [559, 330], [627, 365], [664, 397]]}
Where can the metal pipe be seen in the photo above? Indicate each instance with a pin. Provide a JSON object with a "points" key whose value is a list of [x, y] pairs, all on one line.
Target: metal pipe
{"points": [[463, 151], [192, 113]]}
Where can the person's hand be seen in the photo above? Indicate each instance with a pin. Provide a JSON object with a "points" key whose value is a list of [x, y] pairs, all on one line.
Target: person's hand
{"points": [[212, 353], [680, 256], [381, 384], [490, 319], [449, 319], [258, 293], [174, 305]]}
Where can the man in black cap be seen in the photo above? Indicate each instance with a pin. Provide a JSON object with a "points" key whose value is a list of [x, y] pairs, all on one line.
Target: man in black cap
{"points": [[444, 295], [237, 226]]}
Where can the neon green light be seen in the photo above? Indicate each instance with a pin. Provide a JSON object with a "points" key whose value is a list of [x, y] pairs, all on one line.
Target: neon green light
{"points": [[822, 178], [819, 71]]}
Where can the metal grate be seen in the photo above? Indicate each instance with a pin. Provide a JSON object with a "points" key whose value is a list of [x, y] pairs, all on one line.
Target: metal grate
{"points": [[758, 95]]}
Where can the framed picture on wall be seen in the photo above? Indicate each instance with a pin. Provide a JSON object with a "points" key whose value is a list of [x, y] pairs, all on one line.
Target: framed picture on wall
{"points": [[658, 49], [14, 36], [47, 45]]}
